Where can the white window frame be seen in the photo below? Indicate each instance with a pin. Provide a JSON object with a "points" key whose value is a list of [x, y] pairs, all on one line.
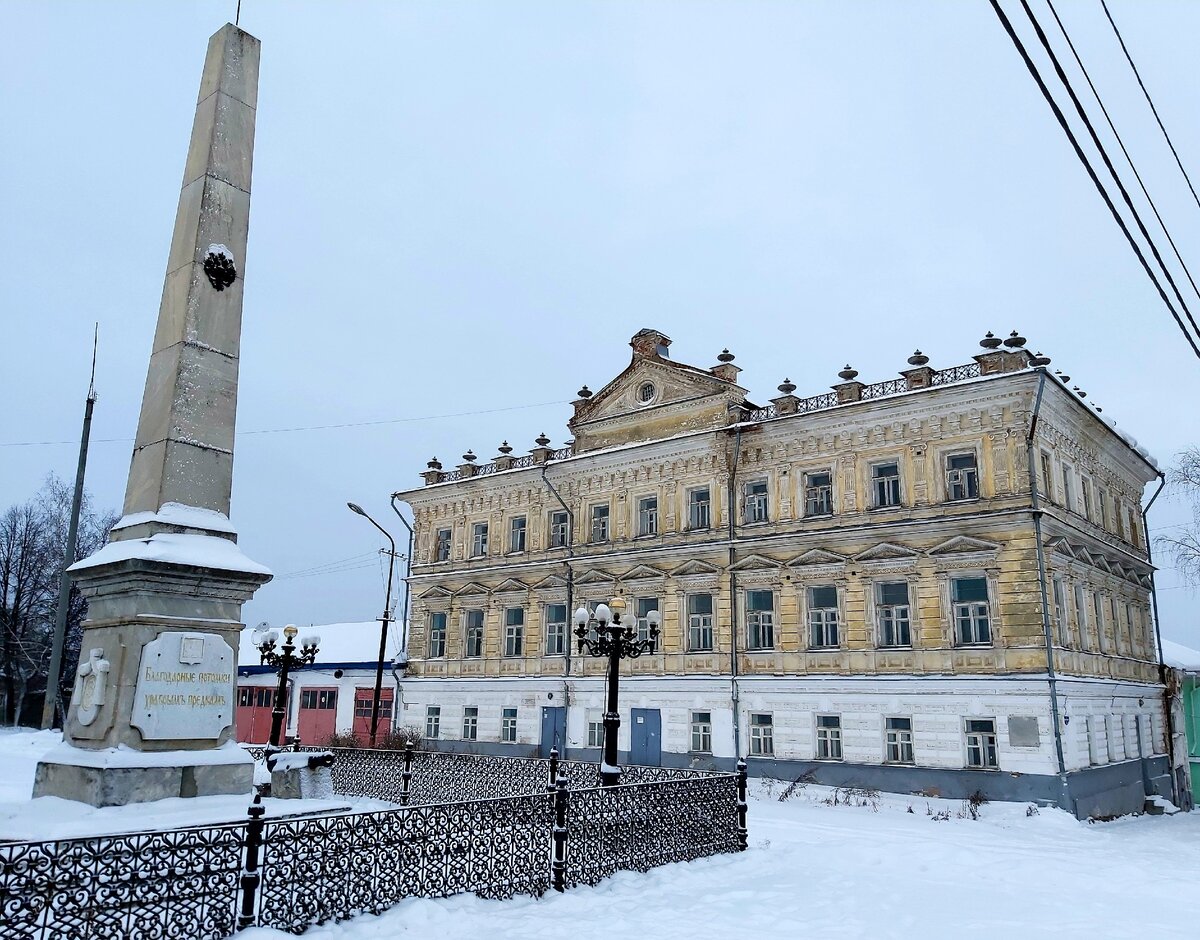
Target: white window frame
{"points": [[647, 509], [514, 530], [641, 610], [557, 634], [762, 621], [828, 739], [437, 634], [1047, 466], [1068, 478], [898, 741], [595, 730], [899, 616], [762, 735], [985, 743], [700, 625], [699, 512], [468, 630], [962, 483], [885, 491], [560, 528], [975, 615], [701, 732], [479, 539], [433, 722], [1079, 600], [470, 728], [514, 633], [508, 725], [818, 494], [1059, 596], [756, 507], [822, 621], [601, 524], [443, 544]]}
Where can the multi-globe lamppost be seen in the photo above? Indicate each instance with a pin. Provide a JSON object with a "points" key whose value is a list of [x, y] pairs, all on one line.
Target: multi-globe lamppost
{"points": [[284, 659], [602, 634]]}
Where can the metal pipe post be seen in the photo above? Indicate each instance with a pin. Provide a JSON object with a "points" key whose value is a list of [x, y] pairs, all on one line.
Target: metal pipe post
{"points": [[610, 773]]}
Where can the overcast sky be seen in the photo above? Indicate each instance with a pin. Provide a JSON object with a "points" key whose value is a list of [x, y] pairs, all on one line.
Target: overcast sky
{"points": [[462, 211]]}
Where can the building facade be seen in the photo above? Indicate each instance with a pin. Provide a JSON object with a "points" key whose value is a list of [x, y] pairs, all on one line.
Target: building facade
{"points": [[938, 582], [333, 696]]}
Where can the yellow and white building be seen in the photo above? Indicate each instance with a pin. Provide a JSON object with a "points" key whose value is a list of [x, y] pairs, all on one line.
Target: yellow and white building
{"points": [[938, 582]]}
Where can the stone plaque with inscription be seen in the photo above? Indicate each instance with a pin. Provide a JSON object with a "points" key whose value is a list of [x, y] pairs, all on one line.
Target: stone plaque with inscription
{"points": [[184, 687]]}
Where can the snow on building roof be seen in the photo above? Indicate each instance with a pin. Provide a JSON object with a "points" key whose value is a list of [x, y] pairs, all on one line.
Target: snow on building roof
{"points": [[1179, 656], [341, 643]]}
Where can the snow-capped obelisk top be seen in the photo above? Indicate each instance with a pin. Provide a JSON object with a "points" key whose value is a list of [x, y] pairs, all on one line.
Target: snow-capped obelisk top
{"points": [[183, 452]]}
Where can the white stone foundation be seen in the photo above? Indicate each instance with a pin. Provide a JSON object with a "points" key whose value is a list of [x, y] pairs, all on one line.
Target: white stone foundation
{"points": [[116, 776]]}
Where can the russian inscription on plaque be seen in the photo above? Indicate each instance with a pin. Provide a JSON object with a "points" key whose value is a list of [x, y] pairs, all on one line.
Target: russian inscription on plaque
{"points": [[184, 687]]}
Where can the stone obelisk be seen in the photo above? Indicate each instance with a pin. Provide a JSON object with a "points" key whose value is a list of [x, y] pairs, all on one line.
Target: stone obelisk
{"points": [[152, 711]]}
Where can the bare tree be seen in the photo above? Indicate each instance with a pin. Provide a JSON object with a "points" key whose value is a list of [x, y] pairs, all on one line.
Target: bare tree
{"points": [[1184, 548], [33, 539]]}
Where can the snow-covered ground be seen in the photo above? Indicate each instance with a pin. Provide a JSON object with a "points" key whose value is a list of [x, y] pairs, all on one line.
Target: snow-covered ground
{"points": [[817, 870]]}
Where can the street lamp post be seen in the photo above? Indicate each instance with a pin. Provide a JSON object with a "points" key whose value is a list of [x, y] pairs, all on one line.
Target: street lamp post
{"points": [[603, 635], [383, 622], [284, 659]]}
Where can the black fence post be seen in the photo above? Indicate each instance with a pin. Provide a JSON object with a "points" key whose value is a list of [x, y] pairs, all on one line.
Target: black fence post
{"points": [[250, 874], [741, 805], [558, 867], [552, 782], [406, 774]]}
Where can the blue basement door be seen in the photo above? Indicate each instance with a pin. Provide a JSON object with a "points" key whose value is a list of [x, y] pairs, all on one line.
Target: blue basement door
{"points": [[645, 737], [554, 731]]}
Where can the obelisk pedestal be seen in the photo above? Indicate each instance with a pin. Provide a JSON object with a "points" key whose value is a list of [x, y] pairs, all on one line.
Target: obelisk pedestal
{"points": [[152, 711]]}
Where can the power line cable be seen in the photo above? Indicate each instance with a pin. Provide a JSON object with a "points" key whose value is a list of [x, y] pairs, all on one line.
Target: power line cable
{"points": [[1150, 101], [315, 427], [1121, 142], [1033, 71], [1112, 170], [316, 568]]}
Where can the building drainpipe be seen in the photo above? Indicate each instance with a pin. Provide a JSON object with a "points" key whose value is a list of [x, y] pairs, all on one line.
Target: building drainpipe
{"points": [[570, 600], [731, 506], [1064, 795], [400, 664], [1162, 668]]}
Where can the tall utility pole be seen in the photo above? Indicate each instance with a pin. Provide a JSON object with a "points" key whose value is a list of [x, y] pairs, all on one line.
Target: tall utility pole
{"points": [[64, 580]]}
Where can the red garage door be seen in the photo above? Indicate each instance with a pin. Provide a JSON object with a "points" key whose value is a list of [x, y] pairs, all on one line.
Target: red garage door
{"points": [[254, 704], [363, 698], [318, 715]]}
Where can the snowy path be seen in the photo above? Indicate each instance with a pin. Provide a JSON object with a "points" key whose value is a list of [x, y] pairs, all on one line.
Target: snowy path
{"points": [[818, 871], [848, 872]]}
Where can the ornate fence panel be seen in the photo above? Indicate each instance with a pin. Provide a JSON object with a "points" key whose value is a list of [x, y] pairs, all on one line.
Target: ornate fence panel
{"points": [[641, 826], [444, 777], [334, 867], [179, 883]]}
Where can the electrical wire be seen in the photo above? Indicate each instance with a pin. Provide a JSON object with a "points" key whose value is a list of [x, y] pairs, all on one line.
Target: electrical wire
{"points": [[1112, 170], [1037, 77], [1121, 143], [1150, 101], [314, 427]]}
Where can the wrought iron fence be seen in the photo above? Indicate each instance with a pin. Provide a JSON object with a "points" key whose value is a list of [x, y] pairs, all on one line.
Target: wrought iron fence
{"points": [[419, 777], [208, 882], [335, 867], [639, 826], [180, 883]]}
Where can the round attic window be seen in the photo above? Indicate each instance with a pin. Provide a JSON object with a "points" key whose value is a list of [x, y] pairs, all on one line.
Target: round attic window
{"points": [[646, 393]]}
